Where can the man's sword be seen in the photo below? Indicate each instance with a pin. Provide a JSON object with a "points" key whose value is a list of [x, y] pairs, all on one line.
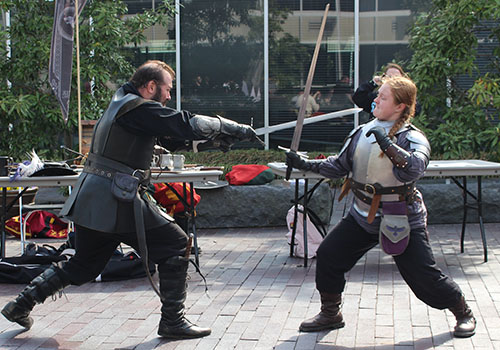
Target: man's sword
{"points": [[300, 118]]}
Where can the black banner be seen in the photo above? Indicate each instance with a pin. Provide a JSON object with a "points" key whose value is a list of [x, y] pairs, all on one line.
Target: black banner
{"points": [[61, 51]]}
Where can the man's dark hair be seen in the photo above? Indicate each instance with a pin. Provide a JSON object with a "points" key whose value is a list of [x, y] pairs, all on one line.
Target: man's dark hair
{"points": [[150, 70]]}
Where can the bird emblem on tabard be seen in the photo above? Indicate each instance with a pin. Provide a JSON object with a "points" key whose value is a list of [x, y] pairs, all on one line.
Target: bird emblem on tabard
{"points": [[395, 230]]}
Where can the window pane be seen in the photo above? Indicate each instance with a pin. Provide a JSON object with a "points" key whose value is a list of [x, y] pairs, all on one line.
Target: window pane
{"points": [[367, 5], [288, 4], [316, 4], [222, 59], [390, 5], [290, 54]]}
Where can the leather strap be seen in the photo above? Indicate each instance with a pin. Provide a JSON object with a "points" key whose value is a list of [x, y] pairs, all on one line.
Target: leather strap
{"points": [[346, 186], [373, 208], [99, 161], [141, 239]]}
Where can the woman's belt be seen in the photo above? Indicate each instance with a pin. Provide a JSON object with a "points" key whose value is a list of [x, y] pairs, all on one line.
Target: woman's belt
{"points": [[377, 188], [405, 192]]}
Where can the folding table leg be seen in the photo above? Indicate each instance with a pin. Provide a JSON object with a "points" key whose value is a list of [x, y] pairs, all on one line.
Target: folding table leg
{"points": [[304, 223], [464, 220], [22, 231], [480, 212], [4, 216], [295, 216]]}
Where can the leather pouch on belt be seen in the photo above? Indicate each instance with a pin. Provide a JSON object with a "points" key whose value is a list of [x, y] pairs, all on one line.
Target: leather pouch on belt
{"points": [[394, 233], [124, 187]]}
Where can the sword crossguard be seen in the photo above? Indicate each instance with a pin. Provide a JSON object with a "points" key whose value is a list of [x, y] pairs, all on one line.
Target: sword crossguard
{"points": [[302, 154]]}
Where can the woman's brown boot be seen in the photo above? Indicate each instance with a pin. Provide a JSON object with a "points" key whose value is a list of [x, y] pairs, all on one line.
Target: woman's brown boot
{"points": [[466, 322], [329, 317]]}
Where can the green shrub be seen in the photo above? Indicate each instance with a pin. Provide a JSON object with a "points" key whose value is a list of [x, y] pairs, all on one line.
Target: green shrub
{"points": [[247, 156]]}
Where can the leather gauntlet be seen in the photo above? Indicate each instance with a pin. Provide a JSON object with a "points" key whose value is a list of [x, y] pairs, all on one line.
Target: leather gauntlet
{"points": [[398, 156]]}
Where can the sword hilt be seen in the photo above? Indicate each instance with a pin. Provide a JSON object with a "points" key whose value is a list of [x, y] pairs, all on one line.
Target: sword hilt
{"points": [[289, 168], [288, 172]]}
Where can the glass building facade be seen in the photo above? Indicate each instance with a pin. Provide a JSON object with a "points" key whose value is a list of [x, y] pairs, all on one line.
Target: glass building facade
{"points": [[248, 60]]}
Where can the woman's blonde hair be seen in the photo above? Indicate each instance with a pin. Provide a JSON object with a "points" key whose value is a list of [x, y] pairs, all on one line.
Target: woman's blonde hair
{"points": [[404, 91]]}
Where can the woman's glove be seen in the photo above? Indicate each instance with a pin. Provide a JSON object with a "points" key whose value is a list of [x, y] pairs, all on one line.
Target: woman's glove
{"points": [[381, 136], [398, 156], [296, 161]]}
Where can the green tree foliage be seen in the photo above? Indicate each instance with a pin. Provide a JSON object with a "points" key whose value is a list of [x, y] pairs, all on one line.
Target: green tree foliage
{"points": [[460, 123], [29, 113]]}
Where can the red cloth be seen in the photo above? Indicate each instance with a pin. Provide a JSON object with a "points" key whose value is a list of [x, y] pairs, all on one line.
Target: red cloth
{"points": [[169, 200], [243, 173], [40, 224]]}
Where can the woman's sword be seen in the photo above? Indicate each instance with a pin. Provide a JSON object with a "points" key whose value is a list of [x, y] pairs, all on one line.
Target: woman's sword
{"points": [[300, 118]]}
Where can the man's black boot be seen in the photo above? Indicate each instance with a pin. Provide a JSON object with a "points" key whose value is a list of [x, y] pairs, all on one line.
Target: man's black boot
{"points": [[329, 317], [44, 285], [466, 322], [173, 286]]}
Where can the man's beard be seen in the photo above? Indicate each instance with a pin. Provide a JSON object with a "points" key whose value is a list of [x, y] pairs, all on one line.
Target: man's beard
{"points": [[157, 97]]}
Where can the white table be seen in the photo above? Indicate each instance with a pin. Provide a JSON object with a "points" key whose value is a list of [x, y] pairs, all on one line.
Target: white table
{"points": [[184, 176], [436, 168], [463, 168]]}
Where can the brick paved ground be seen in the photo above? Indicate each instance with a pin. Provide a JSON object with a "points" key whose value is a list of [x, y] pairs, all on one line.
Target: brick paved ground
{"points": [[258, 295]]}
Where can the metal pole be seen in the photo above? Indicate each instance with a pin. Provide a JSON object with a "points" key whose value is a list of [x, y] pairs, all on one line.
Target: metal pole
{"points": [[4, 217], [356, 54], [266, 70], [7, 42], [77, 38], [178, 54]]}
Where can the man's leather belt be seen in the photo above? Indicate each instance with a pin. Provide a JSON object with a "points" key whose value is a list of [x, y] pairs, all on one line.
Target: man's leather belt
{"points": [[107, 168]]}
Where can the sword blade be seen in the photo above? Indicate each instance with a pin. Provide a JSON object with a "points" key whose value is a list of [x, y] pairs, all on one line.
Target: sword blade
{"points": [[300, 118]]}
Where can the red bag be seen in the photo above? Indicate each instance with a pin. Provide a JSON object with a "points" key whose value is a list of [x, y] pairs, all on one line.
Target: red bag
{"points": [[39, 224], [169, 200], [249, 174]]}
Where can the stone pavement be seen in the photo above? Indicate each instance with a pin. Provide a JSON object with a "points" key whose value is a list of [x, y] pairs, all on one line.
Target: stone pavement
{"points": [[258, 295]]}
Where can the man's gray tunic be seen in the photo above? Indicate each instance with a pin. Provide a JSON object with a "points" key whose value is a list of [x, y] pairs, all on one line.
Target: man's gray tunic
{"points": [[91, 203]]}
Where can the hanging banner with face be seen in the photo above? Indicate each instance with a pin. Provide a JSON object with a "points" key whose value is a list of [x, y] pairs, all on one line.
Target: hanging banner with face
{"points": [[61, 51]]}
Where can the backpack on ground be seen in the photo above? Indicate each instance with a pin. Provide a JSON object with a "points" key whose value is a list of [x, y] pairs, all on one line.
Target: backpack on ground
{"points": [[315, 232]]}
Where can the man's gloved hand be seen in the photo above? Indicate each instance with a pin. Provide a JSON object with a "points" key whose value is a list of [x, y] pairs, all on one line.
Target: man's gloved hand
{"points": [[242, 132], [381, 136], [223, 143], [217, 127], [296, 161]]}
